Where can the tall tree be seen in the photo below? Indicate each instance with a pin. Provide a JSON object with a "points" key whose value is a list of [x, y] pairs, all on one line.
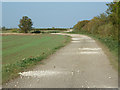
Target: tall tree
{"points": [[25, 24], [114, 16], [114, 12]]}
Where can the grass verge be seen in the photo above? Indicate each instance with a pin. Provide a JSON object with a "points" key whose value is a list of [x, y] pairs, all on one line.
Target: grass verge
{"points": [[22, 52]]}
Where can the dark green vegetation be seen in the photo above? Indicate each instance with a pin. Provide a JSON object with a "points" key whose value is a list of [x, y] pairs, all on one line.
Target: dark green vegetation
{"points": [[35, 30], [104, 27], [50, 29], [25, 24], [23, 51], [46, 31]]}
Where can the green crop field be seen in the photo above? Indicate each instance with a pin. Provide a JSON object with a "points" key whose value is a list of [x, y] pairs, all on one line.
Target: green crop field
{"points": [[22, 51]]}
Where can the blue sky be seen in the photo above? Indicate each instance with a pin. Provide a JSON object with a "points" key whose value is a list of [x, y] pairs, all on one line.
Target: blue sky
{"points": [[50, 14]]}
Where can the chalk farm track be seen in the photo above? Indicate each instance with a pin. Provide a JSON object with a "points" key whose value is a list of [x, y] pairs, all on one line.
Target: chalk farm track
{"points": [[80, 64]]}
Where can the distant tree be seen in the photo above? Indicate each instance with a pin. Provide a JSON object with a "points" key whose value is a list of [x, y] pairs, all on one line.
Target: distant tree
{"points": [[25, 24], [3, 28], [53, 27]]}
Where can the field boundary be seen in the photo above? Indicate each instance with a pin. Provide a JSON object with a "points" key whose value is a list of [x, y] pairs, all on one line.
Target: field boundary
{"points": [[5, 34]]}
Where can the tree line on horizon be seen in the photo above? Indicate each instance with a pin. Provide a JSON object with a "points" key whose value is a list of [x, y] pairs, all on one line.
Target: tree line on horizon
{"points": [[106, 24]]}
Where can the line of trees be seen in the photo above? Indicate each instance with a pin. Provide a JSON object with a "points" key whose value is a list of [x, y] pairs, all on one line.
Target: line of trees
{"points": [[106, 24]]}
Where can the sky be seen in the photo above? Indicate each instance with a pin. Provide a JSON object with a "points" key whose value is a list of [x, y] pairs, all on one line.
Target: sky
{"points": [[50, 14]]}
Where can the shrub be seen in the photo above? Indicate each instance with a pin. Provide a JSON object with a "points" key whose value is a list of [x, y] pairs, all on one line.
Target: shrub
{"points": [[36, 32], [14, 30]]}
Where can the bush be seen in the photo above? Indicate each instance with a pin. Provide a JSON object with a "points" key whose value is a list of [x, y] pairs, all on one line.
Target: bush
{"points": [[80, 24], [14, 30], [54, 31], [36, 32]]}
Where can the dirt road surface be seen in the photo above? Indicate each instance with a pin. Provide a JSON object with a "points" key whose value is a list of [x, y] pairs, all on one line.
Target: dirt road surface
{"points": [[80, 64]]}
